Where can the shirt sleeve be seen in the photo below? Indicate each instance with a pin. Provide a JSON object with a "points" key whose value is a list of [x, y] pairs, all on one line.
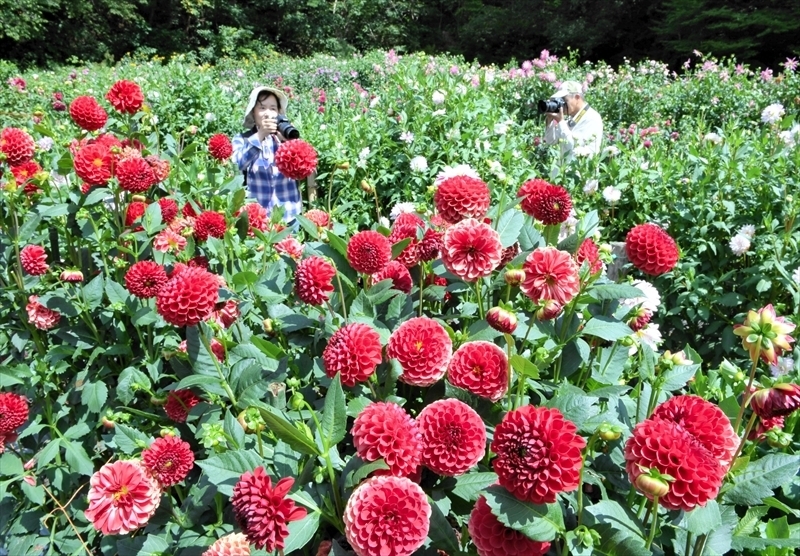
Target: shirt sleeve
{"points": [[591, 133], [246, 150], [560, 133]]}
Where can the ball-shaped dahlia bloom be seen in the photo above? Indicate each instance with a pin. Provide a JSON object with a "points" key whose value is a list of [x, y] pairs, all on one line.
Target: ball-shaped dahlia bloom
{"points": [[179, 403], [296, 159], [550, 274], [471, 249], [133, 212], [264, 512], [492, 538], [461, 197], [430, 245], [125, 96], [548, 203], [257, 217], [169, 459], [354, 351], [481, 368], [387, 516], [508, 255], [538, 454], [385, 430], [145, 278], [16, 145], [135, 174], [33, 259], [589, 252], [189, 297], [396, 272], [209, 224], [405, 227], [169, 209], [233, 544], [319, 217], [39, 315], [423, 348], [651, 249], [220, 147], [13, 412], [313, 280], [453, 437], [93, 164], [23, 173], [123, 496], [666, 446], [87, 113], [369, 251], [292, 247]]}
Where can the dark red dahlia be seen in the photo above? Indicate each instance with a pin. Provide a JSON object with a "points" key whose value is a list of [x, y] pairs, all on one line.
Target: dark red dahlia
{"points": [[87, 113], [179, 403], [219, 146], [125, 96], [492, 538], [209, 224], [134, 212], [423, 348], [368, 251], [651, 249], [188, 297], [33, 259], [13, 412], [354, 351], [589, 252], [25, 172], [430, 245], [385, 430], [546, 202], [135, 174], [481, 368], [313, 280], [396, 272], [296, 159], [453, 437], [508, 255], [168, 459], [461, 197], [781, 400], [93, 164], [169, 209], [145, 278], [16, 145]]}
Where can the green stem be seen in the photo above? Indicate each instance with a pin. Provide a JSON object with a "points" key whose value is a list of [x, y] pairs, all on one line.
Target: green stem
{"points": [[654, 524], [746, 394], [742, 442], [421, 288], [688, 546], [341, 294], [478, 298], [586, 452], [224, 382], [700, 545]]}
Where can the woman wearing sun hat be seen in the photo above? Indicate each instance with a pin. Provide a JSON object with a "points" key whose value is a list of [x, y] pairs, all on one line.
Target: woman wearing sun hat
{"points": [[254, 153]]}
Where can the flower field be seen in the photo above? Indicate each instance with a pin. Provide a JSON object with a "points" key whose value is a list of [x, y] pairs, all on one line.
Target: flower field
{"points": [[464, 346]]}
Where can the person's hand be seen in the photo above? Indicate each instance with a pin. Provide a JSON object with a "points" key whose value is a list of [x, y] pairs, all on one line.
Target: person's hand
{"points": [[268, 124], [556, 117]]}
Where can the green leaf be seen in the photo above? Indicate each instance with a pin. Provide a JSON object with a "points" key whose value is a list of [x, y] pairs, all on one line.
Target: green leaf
{"points": [[131, 380], [751, 520], [509, 226], [94, 396], [301, 532], [154, 545], [10, 465], [540, 522], [129, 439], [31, 222], [115, 292], [620, 532], [287, 432], [93, 291], [760, 477], [334, 414], [470, 486], [606, 328], [151, 220], [574, 404], [234, 430], [363, 472], [34, 493], [77, 458], [701, 520], [337, 243], [398, 247], [307, 225], [524, 366], [199, 357], [609, 292], [440, 532], [224, 470]]}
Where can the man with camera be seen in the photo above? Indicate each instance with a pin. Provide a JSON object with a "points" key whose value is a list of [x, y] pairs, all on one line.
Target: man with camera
{"points": [[254, 153], [571, 123]]}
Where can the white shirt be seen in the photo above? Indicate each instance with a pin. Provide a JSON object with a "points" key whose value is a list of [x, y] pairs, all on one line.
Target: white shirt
{"points": [[584, 138]]}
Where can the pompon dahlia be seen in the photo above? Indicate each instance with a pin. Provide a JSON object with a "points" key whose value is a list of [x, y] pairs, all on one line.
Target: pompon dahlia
{"points": [[396, 272], [123, 497], [145, 278], [209, 224], [385, 430], [257, 217], [296, 159], [781, 400], [651, 249], [387, 516], [125, 96], [160, 167], [369, 251], [133, 212], [550, 274], [508, 255], [461, 197], [453, 437], [25, 172], [87, 113], [16, 145], [319, 217], [538, 454], [220, 147], [93, 164], [189, 297], [234, 544], [430, 245], [169, 459], [481, 368], [706, 422], [405, 227], [135, 174], [40, 316], [423, 348], [354, 351], [33, 259], [292, 247], [169, 209], [313, 280], [668, 447], [13, 412], [492, 538], [179, 403], [471, 249], [589, 252], [544, 201], [263, 512]]}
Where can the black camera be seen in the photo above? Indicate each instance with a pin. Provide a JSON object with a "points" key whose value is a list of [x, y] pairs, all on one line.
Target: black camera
{"points": [[286, 128], [551, 105]]}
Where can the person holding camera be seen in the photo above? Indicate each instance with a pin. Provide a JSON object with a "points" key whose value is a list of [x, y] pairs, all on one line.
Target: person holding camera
{"points": [[571, 123], [254, 153]]}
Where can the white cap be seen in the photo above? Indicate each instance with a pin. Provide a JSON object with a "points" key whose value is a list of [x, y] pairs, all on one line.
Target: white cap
{"points": [[251, 103], [568, 88]]}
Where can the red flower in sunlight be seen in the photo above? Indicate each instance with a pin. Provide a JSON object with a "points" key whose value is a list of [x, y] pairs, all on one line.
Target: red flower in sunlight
{"points": [[87, 113], [481, 368], [233, 544], [25, 172], [385, 430], [125, 96], [546, 202], [39, 315], [461, 197], [169, 459], [135, 174], [209, 224], [179, 403], [453, 437], [396, 272], [296, 159], [492, 538], [160, 167], [368, 251], [93, 164], [781, 400], [290, 246], [145, 278], [423, 348], [220, 147], [169, 209], [188, 297], [13, 412], [319, 217], [651, 249], [123, 497], [133, 212], [33, 259], [313, 280], [257, 216], [16, 145], [354, 351], [471, 249], [550, 274], [589, 252], [405, 227]]}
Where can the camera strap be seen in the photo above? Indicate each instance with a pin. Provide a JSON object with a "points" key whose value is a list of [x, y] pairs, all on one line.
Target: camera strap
{"points": [[574, 121]]}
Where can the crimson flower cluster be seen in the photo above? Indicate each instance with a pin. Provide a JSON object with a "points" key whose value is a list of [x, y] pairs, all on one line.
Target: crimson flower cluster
{"points": [[354, 351], [651, 249], [220, 147], [461, 197], [296, 159], [548, 203]]}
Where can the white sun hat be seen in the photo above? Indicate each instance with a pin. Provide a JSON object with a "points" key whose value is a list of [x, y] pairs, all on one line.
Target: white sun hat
{"points": [[251, 103]]}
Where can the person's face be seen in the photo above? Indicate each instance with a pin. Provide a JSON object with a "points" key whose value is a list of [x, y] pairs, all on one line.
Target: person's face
{"points": [[266, 105], [574, 104]]}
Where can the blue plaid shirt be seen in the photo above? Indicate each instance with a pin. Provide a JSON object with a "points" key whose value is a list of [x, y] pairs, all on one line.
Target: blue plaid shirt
{"points": [[264, 181]]}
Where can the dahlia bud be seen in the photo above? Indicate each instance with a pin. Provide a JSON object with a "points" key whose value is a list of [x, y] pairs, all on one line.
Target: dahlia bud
{"points": [[366, 187], [654, 486], [192, 129], [606, 248], [292, 382], [138, 198], [587, 537], [268, 327], [502, 320], [780, 400], [10, 186], [167, 432], [29, 464], [343, 165], [296, 401], [778, 439], [639, 318], [201, 177], [72, 275], [108, 424], [739, 376], [609, 432], [677, 358], [548, 310], [764, 334], [251, 421], [324, 548], [514, 276]]}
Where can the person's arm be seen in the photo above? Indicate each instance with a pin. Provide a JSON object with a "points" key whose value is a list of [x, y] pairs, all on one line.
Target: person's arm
{"points": [[589, 133], [246, 150]]}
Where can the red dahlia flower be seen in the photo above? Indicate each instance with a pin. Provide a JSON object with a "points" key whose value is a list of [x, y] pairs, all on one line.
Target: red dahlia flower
{"points": [[368, 252], [160, 167], [423, 348], [233, 544], [547, 203], [16, 145], [263, 512], [169, 209], [461, 197], [501, 320], [134, 211], [508, 255], [292, 247], [480, 368], [396, 272], [651, 249], [25, 172], [145, 278], [13, 412], [179, 403], [188, 297], [453, 437], [781, 400], [430, 245], [385, 430], [492, 538], [209, 224], [87, 113], [405, 227], [40, 316], [550, 274], [387, 516], [471, 249], [71, 275], [354, 351], [33, 259], [135, 174], [123, 497], [589, 252], [125, 96], [319, 217], [169, 459], [313, 280], [219, 146], [296, 159], [257, 217], [538, 454], [93, 164]]}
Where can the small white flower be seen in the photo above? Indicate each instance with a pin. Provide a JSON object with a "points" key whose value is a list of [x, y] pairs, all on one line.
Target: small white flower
{"points": [[488, 76], [454, 134], [649, 335], [461, 88], [407, 137], [210, 117], [362, 157], [773, 113], [437, 98], [796, 275], [418, 164], [501, 128], [712, 137], [590, 188], [784, 366], [611, 151], [583, 151], [747, 230], [153, 119], [45, 143], [739, 244], [154, 95], [460, 170], [58, 180], [611, 194], [441, 112], [790, 137], [651, 300], [402, 208], [323, 127], [568, 226], [374, 102], [644, 166], [383, 221]]}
